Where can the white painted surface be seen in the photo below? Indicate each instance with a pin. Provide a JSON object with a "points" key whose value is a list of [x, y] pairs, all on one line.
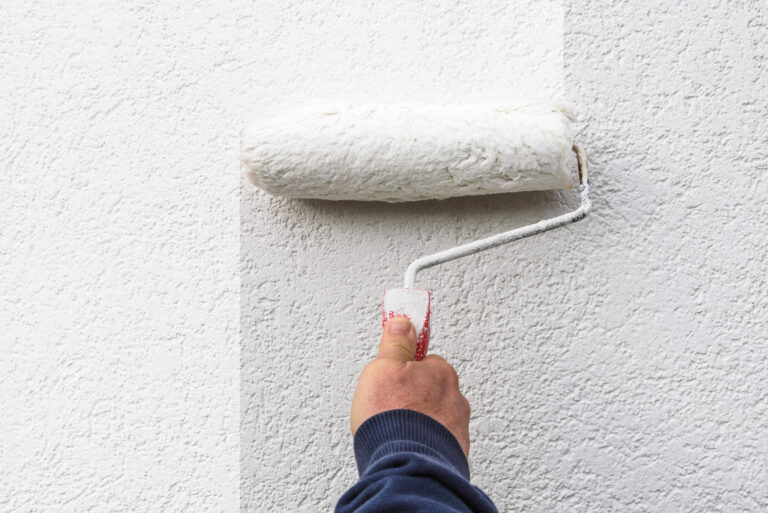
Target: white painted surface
{"points": [[616, 365], [119, 256]]}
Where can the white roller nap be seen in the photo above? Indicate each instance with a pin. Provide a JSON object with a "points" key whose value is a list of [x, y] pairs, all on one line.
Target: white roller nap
{"points": [[409, 152]]}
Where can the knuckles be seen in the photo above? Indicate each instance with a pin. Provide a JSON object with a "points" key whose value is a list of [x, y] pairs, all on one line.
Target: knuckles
{"points": [[430, 385], [447, 373]]}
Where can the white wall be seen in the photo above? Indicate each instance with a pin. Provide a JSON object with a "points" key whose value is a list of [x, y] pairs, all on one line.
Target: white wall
{"points": [[119, 256], [617, 364]]}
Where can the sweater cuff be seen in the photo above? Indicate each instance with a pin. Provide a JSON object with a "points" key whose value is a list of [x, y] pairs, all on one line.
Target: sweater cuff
{"points": [[398, 431]]}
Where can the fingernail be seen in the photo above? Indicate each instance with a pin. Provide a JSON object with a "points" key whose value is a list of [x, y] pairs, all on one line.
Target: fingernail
{"points": [[398, 326]]}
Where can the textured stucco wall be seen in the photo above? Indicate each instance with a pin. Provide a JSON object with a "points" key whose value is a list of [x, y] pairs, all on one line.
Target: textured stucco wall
{"points": [[618, 364], [119, 285], [615, 365]]}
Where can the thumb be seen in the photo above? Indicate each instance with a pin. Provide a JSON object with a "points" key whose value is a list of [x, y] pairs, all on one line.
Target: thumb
{"points": [[398, 340]]}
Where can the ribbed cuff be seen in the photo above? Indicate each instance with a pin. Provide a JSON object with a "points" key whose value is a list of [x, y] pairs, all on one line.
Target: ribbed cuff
{"points": [[397, 431]]}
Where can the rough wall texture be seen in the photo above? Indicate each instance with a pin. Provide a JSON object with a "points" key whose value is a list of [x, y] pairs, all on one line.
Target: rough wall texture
{"points": [[119, 256], [615, 365]]}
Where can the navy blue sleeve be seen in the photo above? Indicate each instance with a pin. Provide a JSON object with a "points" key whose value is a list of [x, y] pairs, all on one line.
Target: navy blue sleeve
{"points": [[408, 461]]}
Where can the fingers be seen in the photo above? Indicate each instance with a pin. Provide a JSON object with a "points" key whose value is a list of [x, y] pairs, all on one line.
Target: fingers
{"points": [[398, 340], [449, 379]]}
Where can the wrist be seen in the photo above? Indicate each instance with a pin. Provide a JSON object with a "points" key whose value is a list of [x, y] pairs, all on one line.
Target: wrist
{"points": [[402, 430]]}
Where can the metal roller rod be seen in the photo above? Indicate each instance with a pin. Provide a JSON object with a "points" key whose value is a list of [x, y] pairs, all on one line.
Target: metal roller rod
{"points": [[512, 235]]}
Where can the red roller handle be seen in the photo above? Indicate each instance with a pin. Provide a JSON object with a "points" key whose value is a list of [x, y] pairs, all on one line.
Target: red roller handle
{"points": [[414, 304]]}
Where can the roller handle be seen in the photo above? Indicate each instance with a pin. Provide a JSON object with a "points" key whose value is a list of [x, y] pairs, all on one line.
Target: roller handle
{"points": [[414, 304]]}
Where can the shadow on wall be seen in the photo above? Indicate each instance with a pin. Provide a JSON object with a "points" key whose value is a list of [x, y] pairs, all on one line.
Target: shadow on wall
{"points": [[515, 209]]}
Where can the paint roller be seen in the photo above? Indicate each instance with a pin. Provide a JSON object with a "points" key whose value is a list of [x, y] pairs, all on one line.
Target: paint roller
{"points": [[411, 152]]}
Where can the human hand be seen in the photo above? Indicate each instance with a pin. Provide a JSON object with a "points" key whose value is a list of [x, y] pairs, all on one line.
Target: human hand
{"points": [[393, 380]]}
